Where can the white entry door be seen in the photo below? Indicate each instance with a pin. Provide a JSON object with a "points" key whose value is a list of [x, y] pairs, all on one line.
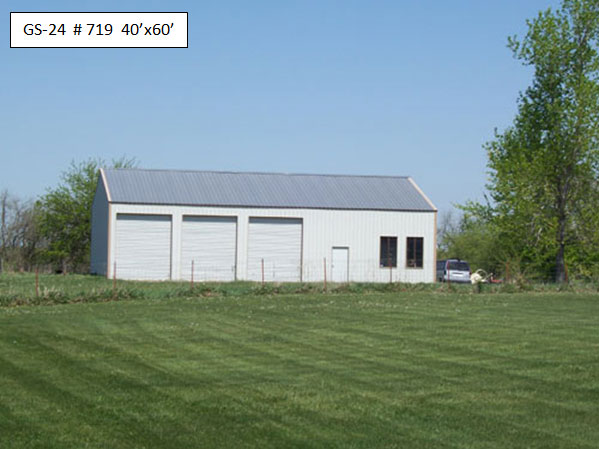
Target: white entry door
{"points": [[276, 244], [143, 247], [340, 264]]}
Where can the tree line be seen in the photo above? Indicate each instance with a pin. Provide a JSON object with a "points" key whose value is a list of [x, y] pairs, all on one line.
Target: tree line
{"points": [[52, 232]]}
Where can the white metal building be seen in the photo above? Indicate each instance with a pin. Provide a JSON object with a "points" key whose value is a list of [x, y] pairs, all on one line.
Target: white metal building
{"points": [[223, 226]]}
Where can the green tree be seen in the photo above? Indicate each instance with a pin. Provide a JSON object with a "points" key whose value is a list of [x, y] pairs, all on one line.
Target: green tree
{"points": [[543, 169], [64, 216]]}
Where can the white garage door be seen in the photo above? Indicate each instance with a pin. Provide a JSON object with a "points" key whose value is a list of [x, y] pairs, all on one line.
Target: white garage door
{"points": [[143, 247], [277, 241], [210, 242]]}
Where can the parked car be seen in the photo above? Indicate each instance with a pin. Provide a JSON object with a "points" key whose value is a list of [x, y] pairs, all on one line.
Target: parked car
{"points": [[453, 270]]}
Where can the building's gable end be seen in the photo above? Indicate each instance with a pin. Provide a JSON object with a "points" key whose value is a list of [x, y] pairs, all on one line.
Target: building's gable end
{"points": [[99, 229]]}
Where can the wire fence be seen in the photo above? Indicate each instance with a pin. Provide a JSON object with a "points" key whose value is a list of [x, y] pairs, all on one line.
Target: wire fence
{"points": [[276, 269], [269, 269]]}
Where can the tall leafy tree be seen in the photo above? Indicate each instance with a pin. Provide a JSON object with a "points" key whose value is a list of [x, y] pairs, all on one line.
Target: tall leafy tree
{"points": [[544, 168], [65, 213]]}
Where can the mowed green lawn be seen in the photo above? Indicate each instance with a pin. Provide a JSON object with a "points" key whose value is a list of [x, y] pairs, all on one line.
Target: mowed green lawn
{"points": [[405, 370]]}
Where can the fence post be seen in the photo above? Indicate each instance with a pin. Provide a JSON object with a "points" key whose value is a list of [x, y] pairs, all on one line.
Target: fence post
{"points": [[191, 287], [325, 273], [114, 280], [507, 272], [262, 272], [37, 283], [566, 272]]}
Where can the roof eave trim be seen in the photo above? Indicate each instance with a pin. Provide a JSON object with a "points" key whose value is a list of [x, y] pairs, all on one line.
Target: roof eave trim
{"points": [[426, 198], [245, 206], [106, 188]]}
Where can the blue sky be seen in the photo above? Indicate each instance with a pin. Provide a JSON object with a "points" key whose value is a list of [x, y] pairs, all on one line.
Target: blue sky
{"points": [[353, 87]]}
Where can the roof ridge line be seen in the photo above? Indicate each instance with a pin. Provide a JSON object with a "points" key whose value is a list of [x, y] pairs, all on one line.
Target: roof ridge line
{"points": [[337, 175]]}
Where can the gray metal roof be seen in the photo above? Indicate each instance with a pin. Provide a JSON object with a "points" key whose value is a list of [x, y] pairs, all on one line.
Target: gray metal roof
{"points": [[274, 190]]}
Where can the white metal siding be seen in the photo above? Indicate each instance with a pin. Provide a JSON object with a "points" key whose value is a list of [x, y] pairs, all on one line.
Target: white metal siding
{"points": [[277, 241], [340, 265], [143, 247], [99, 231], [210, 242], [360, 231]]}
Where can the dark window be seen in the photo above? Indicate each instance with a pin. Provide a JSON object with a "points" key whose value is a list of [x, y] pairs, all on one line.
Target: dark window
{"points": [[414, 252], [388, 252], [458, 265]]}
